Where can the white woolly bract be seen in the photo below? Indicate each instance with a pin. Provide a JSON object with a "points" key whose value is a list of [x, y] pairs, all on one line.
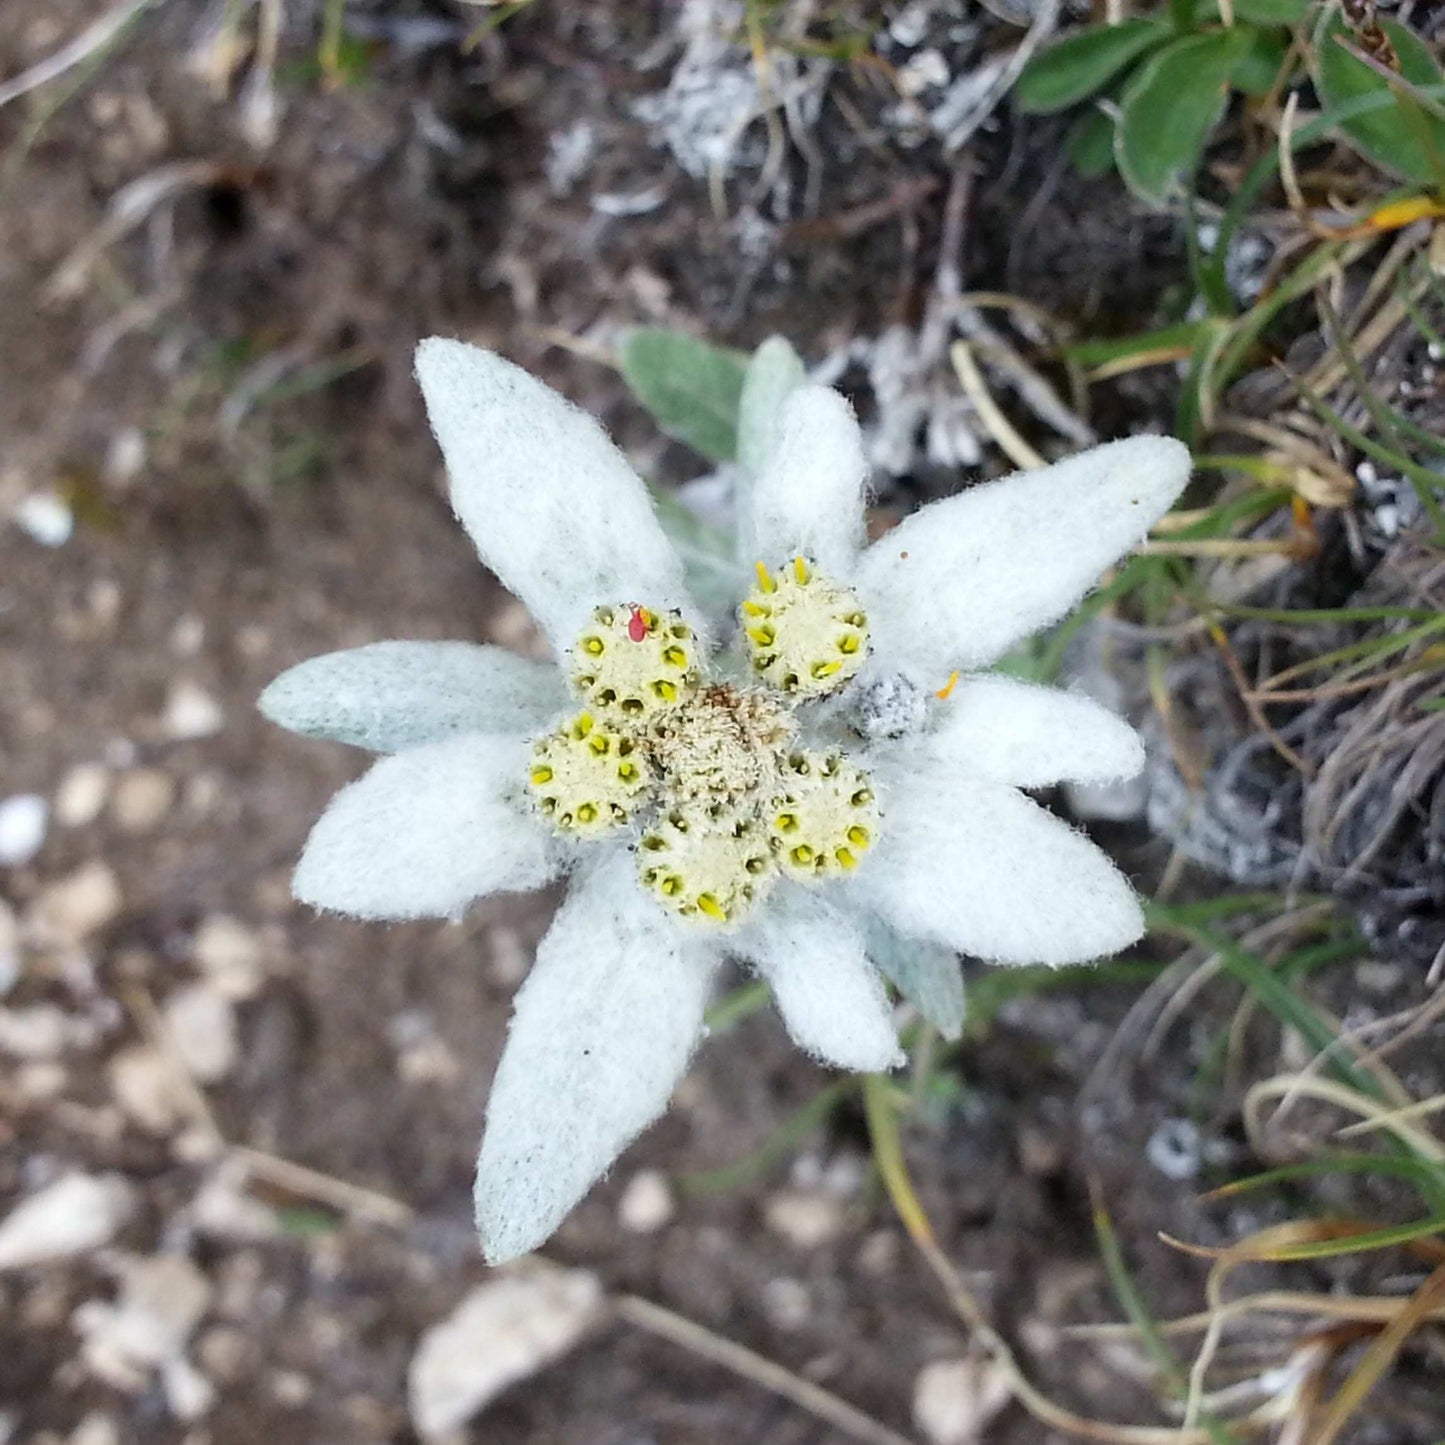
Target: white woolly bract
{"points": [[808, 500], [602, 1031], [427, 831], [980, 868], [1031, 737], [553, 507], [813, 958], [959, 582], [388, 696]]}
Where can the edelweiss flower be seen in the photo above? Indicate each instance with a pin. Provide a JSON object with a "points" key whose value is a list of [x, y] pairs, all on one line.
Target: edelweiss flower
{"points": [[821, 795]]}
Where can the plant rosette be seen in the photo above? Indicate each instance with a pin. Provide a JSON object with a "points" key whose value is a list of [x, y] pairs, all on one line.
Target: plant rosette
{"points": [[831, 793]]}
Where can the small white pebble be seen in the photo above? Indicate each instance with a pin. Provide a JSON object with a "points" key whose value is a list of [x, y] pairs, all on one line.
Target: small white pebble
{"points": [[191, 712], [230, 955], [23, 822], [805, 1220], [142, 798], [954, 1400], [202, 1025], [75, 1214], [47, 518], [786, 1303], [76, 906], [1174, 1149], [82, 794], [646, 1204]]}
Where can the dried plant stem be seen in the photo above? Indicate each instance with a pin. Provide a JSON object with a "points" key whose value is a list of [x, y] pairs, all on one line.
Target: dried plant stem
{"points": [[645, 1315]]}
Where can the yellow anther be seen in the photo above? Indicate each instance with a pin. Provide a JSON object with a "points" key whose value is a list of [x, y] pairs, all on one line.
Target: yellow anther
{"points": [[582, 725], [765, 579], [756, 609], [800, 571], [626, 772], [846, 860], [667, 691], [586, 813], [946, 690], [675, 656], [849, 643], [540, 776], [821, 670], [859, 837], [786, 822], [593, 646], [763, 635], [802, 855], [599, 744], [714, 910]]}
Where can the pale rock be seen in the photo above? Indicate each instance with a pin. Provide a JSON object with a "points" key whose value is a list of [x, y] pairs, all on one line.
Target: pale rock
{"points": [[954, 1400], [142, 799], [75, 1214], [9, 948], [80, 904], [786, 1303], [145, 1086], [24, 819], [202, 1025], [646, 1204], [191, 712], [41, 1081], [188, 1392], [223, 1210], [161, 1301], [42, 1031], [46, 518], [82, 795], [125, 455], [188, 636], [806, 1220], [503, 1331], [95, 1429], [231, 956]]}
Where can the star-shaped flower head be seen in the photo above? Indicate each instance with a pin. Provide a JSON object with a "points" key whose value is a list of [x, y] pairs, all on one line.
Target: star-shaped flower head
{"points": [[814, 790]]}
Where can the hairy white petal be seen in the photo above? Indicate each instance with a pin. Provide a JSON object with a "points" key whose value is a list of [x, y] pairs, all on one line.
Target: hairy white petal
{"points": [[830, 997], [387, 696], [959, 582], [553, 507], [427, 831], [808, 500], [982, 869], [602, 1031], [1031, 737]]}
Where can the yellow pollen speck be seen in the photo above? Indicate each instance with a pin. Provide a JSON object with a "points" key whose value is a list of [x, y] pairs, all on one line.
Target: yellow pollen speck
{"points": [[946, 690]]}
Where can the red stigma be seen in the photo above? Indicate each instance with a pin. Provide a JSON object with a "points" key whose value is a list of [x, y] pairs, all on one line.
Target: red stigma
{"points": [[636, 627]]}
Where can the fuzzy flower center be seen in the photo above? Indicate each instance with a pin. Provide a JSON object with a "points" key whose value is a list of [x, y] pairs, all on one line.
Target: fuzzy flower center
{"points": [[714, 776]]}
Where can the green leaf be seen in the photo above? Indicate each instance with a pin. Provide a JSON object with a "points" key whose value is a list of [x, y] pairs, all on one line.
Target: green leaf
{"points": [[929, 977], [1076, 67], [1401, 138], [1091, 144], [1272, 12], [692, 389], [714, 580], [1261, 63], [772, 374], [1169, 107]]}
